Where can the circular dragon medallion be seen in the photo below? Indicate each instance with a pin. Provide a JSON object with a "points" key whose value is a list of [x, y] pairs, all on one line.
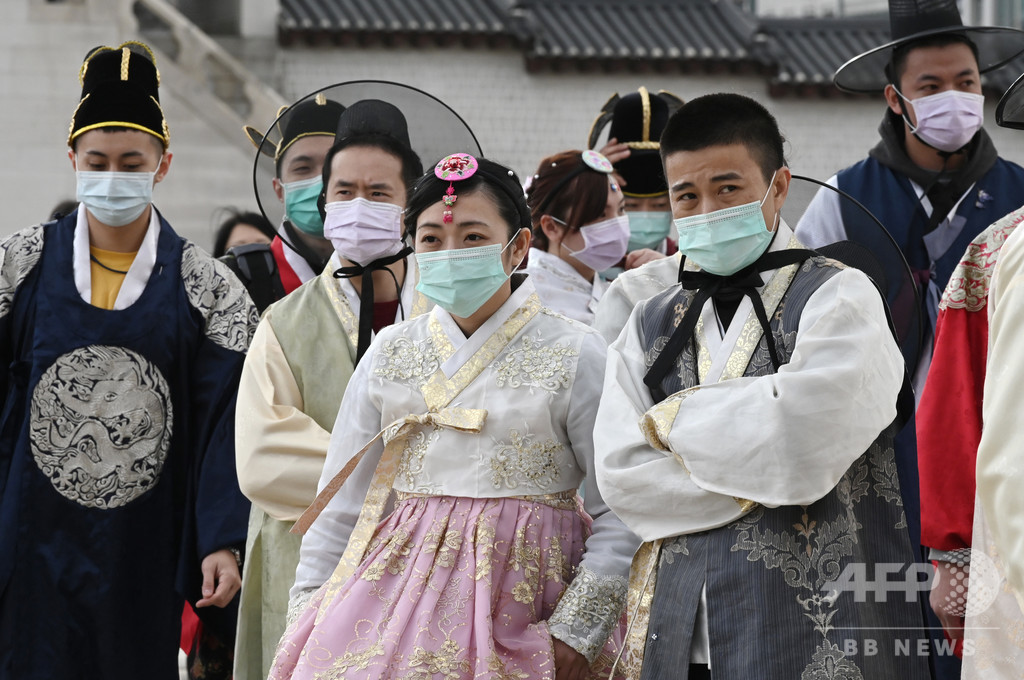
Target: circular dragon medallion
{"points": [[100, 425]]}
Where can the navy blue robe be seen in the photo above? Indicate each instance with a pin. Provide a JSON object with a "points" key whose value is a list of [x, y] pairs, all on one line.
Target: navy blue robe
{"points": [[116, 456]]}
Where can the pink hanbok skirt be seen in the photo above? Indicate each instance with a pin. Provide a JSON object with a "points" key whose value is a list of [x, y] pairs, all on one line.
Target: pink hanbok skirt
{"points": [[450, 588]]}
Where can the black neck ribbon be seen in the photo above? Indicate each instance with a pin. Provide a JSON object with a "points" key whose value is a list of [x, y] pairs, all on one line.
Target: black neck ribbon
{"points": [[366, 292], [727, 289]]}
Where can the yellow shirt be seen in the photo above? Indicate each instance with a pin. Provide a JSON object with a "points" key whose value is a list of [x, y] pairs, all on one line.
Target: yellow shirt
{"points": [[105, 283]]}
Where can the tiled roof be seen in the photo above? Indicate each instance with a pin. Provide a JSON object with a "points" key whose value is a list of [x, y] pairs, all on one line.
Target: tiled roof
{"points": [[617, 31], [798, 56], [803, 54], [365, 20]]}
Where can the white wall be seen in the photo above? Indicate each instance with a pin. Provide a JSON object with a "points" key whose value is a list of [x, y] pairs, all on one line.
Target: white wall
{"points": [[41, 49], [519, 117]]}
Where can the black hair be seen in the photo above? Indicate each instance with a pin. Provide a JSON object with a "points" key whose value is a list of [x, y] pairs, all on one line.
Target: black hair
{"points": [[63, 209], [236, 217], [412, 166], [723, 119], [897, 65], [497, 182], [561, 190]]}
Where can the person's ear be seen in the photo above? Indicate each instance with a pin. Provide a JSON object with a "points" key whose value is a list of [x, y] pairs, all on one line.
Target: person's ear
{"points": [[73, 159], [521, 246], [278, 189], [163, 168], [554, 230], [893, 99]]}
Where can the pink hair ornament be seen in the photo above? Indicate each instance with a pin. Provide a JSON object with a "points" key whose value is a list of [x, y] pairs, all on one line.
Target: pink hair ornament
{"points": [[454, 168]]}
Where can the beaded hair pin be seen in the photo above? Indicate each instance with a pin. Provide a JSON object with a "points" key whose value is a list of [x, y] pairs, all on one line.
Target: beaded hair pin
{"points": [[454, 168]]}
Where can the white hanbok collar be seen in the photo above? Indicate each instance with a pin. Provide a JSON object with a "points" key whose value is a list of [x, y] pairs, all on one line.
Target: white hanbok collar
{"points": [[719, 343], [465, 347], [138, 274], [294, 260]]}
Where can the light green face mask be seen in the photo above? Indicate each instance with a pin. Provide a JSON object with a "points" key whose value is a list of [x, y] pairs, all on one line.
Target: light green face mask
{"points": [[461, 281], [300, 205], [648, 229]]}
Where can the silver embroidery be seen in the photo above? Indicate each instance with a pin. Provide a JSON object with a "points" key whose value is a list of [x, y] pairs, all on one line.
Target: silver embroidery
{"points": [[588, 611], [18, 256], [407, 361], [100, 425], [230, 315], [525, 462], [532, 363]]}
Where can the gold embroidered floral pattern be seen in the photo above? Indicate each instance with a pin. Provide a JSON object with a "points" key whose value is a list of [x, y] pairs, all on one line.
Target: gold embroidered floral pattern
{"points": [[448, 662], [525, 462], [532, 363], [588, 611], [407, 361], [969, 284], [413, 457]]}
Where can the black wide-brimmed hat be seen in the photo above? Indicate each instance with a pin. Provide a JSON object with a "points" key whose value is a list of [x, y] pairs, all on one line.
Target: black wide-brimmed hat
{"points": [[914, 20], [1010, 109], [412, 117], [120, 88], [638, 120], [315, 117]]}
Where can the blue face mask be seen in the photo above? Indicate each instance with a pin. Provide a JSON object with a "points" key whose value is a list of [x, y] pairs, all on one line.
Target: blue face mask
{"points": [[300, 205], [115, 198], [727, 240], [648, 229], [460, 281]]}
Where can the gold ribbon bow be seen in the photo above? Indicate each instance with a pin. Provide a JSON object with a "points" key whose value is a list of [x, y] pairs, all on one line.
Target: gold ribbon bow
{"points": [[394, 437]]}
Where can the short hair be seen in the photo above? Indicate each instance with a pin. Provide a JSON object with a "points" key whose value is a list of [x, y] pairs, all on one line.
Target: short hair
{"points": [[412, 166], [723, 119], [236, 217], [897, 65], [496, 181], [577, 202]]}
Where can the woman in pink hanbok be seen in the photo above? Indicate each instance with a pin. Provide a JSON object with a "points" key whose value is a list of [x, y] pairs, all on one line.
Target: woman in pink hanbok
{"points": [[454, 544]]}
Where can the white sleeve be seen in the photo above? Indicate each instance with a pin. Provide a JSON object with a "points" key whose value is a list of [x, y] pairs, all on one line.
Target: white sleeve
{"points": [[591, 606], [1000, 472], [788, 438], [613, 311], [822, 222], [359, 420]]}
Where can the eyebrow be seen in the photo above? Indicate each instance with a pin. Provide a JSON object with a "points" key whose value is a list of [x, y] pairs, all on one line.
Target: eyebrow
{"points": [[930, 76], [717, 178], [375, 185], [468, 223], [126, 154], [300, 159]]}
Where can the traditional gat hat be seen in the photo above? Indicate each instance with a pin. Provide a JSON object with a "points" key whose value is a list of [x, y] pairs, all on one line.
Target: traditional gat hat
{"points": [[1010, 109], [638, 120], [120, 89], [914, 20], [313, 117]]}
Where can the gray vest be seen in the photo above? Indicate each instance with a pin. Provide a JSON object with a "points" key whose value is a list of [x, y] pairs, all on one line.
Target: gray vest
{"points": [[768, 616]]}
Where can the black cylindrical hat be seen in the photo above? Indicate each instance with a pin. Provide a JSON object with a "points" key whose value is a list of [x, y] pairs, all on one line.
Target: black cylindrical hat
{"points": [[120, 88]]}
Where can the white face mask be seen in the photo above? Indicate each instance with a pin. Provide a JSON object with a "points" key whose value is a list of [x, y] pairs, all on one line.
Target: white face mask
{"points": [[115, 198], [363, 231], [948, 120]]}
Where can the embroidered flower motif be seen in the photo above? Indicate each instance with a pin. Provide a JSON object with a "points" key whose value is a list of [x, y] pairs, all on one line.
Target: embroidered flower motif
{"points": [[532, 363], [524, 462], [588, 611], [407, 361]]}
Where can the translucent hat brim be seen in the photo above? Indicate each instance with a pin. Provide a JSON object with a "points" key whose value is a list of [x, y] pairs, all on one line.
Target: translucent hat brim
{"points": [[435, 131], [870, 248], [865, 73]]}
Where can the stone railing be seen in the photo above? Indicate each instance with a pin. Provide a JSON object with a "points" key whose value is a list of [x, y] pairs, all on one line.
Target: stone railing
{"points": [[215, 84]]}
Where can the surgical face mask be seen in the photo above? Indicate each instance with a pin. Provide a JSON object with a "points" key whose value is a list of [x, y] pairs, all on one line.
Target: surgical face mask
{"points": [[460, 281], [948, 120], [115, 198], [648, 229], [363, 231], [727, 240], [604, 243], [300, 205]]}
